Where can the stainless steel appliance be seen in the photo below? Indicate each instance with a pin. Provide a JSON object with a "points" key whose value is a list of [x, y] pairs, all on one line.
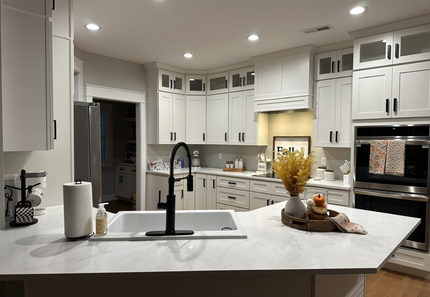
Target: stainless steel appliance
{"points": [[88, 146], [403, 195]]}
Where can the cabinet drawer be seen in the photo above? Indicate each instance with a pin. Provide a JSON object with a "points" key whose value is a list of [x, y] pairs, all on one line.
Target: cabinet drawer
{"points": [[233, 197], [125, 169], [224, 206], [233, 183], [338, 197], [260, 186], [279, 189]]}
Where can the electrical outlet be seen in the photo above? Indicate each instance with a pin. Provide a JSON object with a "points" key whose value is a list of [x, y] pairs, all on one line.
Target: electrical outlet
{"points": [[323, 162], [220, 156]]}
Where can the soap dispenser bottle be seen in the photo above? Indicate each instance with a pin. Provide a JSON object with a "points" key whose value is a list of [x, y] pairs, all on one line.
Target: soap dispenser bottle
{"points": [[236, 162], [240, 163], [101, 220]]}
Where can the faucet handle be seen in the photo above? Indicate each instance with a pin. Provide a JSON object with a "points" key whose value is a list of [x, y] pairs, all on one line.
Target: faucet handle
{"points": [[161, 205]]}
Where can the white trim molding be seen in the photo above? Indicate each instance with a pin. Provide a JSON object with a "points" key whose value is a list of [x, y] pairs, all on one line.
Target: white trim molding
{"points": [[108, 93]]}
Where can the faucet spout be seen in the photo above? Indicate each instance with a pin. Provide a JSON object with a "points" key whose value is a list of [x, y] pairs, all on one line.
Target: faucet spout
{"points": [[171, 199]]}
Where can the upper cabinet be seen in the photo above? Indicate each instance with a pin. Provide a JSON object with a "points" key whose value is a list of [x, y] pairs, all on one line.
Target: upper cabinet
{"points": [[402, 46], [242, 79], [217, 83], [171, 82], [333, 64], [195, 84], [171, 118], [26, 37], [284, 80], [217, 119], [195, 120]]}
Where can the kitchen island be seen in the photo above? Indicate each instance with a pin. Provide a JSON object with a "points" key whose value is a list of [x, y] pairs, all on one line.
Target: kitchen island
{"points": [[274, 260]]}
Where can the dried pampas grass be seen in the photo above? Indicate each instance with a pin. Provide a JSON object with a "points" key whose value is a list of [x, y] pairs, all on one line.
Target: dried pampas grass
{"points": [[293, 169]]}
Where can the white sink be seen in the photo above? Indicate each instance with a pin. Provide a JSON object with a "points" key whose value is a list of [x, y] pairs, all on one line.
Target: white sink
{"points": [[206, 224]]}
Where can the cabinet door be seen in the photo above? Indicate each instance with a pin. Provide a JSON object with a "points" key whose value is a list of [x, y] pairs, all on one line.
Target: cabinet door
{"points": [[201, 185], [217, 119], [211, 192], [179, 198], [344, 62], [412, 44], [373, 51], [325, 65], [217, 83], [188, 196], [171, 82], [338, 197], [342, 120], [178, 118], [119, 185], [250, 122], [371, 93], [232, 197], [165, 106], [277, 199], [196, 84], [411, 92], [129, 182], [27, 77], [258, 200], [324, 110], [241, 79], [236, 119], [195, 120], [295, 76]]}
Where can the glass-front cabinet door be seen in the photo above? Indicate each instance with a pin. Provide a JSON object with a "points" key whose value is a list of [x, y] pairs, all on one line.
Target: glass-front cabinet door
{"points": [[242, 79], [373, 51], [217, 83], [412, 44], [334, 64], [171, 82], [196, 84]]}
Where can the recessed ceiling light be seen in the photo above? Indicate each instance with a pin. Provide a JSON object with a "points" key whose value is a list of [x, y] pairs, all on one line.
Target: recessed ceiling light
{"points": [[188, 55], [92, 27], [357, 10], [253, 37]]}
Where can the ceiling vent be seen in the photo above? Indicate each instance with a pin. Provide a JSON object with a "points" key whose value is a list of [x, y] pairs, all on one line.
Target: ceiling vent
{"points": [[317, 29]]}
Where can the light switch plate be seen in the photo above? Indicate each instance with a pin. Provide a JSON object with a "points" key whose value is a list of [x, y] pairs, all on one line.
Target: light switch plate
{"points": [[220, 156]]}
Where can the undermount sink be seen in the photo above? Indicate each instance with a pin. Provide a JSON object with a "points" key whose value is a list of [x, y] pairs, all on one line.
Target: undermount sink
{"points": [[206, 224]]}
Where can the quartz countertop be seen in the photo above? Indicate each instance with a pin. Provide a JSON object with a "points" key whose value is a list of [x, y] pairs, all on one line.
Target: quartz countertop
{"points": [[336, 184], [271, 246]]}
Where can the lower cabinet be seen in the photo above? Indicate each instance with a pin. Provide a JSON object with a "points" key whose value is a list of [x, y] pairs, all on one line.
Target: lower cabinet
{"points": [[125, 181], [258, 200], [205, 191], [232, 192]]}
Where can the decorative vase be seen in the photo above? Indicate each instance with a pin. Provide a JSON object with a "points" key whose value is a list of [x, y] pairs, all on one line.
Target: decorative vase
{"points": [[295, 207]]}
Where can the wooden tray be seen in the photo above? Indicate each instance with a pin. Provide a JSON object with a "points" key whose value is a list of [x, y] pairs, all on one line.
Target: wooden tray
{"points": [[234, 169], [310, 225]]}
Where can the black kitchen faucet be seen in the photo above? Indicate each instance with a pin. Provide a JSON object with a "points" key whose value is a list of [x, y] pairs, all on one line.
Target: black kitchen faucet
{"points": [[170, 204]]}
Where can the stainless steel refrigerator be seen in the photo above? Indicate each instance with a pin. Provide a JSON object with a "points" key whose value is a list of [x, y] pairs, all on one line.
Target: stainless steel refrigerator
{"points": [[88, 146]]}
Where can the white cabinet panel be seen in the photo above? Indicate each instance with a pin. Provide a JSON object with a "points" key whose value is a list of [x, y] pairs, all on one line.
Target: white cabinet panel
{"points": [[178, 118], [211, 192], [217, 83], [171, 118], [334, 64], [236, 118], [241, 79], [200, 192], [171, 82], [258, 200], [260, 186], [373, 51], [233, 183], [233, 197], [217, 119], [195, 121], [196, 84]]}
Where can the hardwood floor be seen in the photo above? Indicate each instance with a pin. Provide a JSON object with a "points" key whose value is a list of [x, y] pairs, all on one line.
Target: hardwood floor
{"points": [[393, 284]]}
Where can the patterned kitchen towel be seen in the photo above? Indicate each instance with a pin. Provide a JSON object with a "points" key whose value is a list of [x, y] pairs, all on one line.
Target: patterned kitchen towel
{"points": [[395, 164], [378, 153], [345, 225]]}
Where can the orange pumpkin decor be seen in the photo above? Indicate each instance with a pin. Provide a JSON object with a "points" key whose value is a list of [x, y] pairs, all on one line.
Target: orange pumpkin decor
{"points": [[319, 200]]}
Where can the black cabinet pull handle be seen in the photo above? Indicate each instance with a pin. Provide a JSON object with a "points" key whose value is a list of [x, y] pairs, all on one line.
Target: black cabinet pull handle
{"points": [[387, 105], [171, 84], [395, 105], [174, 84], [182, 193], [332, 67], [389, 52], [204, 183], [213, 184], [171, 136], [268, 202], [53, 4], [231, 183], [122, 169], [273, 201], [55, 129], [331, 136], [239, 137], [337, 133], [204, 136], [226, 85], [225, 136], [240, 81], [175, 136], [204, 87], [231, 197], [133, 170], [244, 84], [397, 50], [243, 136], [338, 66]]}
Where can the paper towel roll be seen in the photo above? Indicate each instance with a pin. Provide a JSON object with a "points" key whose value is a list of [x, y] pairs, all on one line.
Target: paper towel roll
{"points": [[77, 202]]}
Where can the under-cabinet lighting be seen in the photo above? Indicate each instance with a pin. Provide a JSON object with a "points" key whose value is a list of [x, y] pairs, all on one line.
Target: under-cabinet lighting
{"points": [[253, 37], [92, 27], [188, 55], [358, 10]]}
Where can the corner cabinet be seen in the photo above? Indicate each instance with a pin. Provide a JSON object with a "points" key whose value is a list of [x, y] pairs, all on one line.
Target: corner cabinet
{"points": [[332, 113], [195, 84], [217, 119], [392, 92], [195, 121], [217, 83], [26, 37], [171, 118]]}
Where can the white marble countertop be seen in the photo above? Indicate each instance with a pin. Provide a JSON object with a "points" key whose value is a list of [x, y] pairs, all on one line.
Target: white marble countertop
{"points": [[43, 250], [336, 184]]}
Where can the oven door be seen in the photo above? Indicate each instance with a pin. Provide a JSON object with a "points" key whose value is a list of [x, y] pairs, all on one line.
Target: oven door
{"points": [[415, 179], [411, 205]]}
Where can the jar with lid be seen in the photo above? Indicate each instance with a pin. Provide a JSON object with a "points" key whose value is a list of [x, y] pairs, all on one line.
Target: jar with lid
{"points": [[320, 172], [329, 175]]}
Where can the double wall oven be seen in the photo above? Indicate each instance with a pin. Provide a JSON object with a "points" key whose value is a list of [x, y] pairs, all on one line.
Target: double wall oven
{"points": [[403, 195]]}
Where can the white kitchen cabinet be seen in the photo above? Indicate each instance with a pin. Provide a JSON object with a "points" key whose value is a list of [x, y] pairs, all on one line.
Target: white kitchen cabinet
{"points": [[195, 84], [334, 64], [399, 91], [332, 113], [205, 193], [241, 79], [217, 83], [401, 46], [125, 181], [258, 200], [245, 126], [171, 118], [195, 120], [27, 75], [169, 81], [231, 197], [284, 80], [337, 197], [211, 190], [217, 119]]}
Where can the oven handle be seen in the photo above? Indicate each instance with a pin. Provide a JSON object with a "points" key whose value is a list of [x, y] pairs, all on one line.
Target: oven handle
{"points": [[408, 141], [394, 195]]}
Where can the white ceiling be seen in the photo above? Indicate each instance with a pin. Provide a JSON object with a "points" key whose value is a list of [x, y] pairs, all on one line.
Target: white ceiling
{"points": [[215, 31]]}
